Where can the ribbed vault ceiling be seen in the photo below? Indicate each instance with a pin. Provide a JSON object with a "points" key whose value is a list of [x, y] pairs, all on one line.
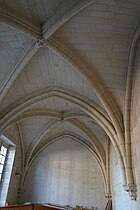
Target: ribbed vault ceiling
{"points": [[63, 67]]}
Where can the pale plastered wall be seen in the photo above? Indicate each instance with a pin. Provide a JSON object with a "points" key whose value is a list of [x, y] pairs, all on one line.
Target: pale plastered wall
{"points": [[120, 198], [65, 173]]}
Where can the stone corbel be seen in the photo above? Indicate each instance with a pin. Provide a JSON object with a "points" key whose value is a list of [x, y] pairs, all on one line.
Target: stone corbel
{"points": [[41, 42], [108, 196], [132, 191]]}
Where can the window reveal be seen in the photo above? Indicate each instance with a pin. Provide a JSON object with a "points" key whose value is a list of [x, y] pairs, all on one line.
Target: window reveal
{"points": [[3, 153]]}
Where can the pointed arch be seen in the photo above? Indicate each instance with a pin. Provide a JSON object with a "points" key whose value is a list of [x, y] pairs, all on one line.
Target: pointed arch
{"points": [[88, 106]]}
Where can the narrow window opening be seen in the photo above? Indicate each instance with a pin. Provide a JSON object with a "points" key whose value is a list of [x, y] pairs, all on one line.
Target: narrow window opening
{"points": [[7, 154], [3, 153]]}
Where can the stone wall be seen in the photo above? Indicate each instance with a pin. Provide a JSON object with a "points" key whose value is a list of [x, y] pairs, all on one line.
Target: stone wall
{"points": [[65, 173]]}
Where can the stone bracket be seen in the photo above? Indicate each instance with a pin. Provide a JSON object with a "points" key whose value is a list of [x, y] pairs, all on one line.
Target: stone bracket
{"points": [[132, 191]]}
